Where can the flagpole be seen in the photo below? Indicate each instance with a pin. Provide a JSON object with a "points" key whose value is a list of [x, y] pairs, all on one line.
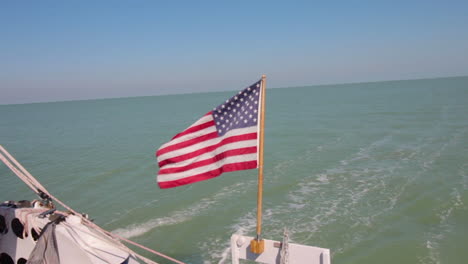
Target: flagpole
{"points": [[257, 245]]}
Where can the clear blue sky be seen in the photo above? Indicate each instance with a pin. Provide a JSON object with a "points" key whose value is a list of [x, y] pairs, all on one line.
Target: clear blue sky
{"points": [[68, 50]]}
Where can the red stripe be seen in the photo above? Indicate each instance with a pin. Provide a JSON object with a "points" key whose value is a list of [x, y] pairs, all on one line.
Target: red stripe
{"points": [[221, 156], [187, 143], [246, 165], [195, 129], [207, 149]]}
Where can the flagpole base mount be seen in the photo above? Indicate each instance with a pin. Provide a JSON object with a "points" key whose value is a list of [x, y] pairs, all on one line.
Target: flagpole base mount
{"points": [[257, 246]]}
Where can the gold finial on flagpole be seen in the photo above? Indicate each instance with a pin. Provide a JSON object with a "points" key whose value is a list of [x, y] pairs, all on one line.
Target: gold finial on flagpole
{"points": [[257, 245]]}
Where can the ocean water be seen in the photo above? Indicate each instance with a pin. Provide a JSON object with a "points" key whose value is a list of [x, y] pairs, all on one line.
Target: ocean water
{"points": [[377, 172]]}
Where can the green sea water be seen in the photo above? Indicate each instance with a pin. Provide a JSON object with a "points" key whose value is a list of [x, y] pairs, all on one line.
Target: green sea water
{"points": [[377, 172]]}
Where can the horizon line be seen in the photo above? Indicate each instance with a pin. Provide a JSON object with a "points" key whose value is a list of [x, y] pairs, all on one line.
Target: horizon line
{"points": [[222, 91]]}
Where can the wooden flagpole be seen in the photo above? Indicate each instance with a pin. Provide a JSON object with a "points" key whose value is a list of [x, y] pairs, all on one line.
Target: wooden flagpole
{"points": [[257, 245]]}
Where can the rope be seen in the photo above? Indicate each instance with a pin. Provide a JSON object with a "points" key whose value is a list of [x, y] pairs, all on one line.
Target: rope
{"points": [[284, 253], [37, 187]]}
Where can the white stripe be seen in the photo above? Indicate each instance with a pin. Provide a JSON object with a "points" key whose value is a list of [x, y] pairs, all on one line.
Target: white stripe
{"points": [[200, 121], [190, 136], [207, 143], [210, 167], [221, 149], [259, 108]]}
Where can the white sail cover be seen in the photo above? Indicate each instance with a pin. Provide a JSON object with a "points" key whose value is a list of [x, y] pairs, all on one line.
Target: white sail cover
{"points": [[27, 238]]}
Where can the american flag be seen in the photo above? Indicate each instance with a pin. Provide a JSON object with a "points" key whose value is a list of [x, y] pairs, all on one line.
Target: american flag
{"points": [[225, 139]]}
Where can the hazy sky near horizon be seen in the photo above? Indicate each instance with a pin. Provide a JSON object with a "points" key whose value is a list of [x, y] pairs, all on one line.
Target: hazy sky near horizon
{"points": [[69, 50]]}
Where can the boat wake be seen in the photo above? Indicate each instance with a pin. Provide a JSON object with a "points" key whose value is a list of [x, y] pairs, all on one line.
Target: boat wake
{"points": [[180, 216]]}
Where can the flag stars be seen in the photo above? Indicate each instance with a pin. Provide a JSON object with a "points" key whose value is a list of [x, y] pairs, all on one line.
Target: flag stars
{"points": [[240, 111]]}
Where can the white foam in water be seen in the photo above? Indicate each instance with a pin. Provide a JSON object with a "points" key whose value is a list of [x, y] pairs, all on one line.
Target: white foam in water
{"points": [[137, 230], [364, 153], [117, 215], [244, 225], [323, 178], [216, 249], [433, 255], [178, 217], [463, 171], [353, 183], [439, 232], [175, 218]]}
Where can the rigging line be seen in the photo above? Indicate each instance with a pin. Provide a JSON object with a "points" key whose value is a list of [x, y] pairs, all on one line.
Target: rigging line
{"points": [[18, 173], [18, 165]]}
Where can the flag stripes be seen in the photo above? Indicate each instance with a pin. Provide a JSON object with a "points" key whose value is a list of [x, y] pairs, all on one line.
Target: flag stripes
{"points": [[207, 146], [214, 159], [184, 160], [209, 167], [209, 174], [199, 154]]}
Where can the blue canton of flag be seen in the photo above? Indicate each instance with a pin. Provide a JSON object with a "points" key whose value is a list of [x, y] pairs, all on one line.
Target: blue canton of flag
{"points": [[238, 112]]}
